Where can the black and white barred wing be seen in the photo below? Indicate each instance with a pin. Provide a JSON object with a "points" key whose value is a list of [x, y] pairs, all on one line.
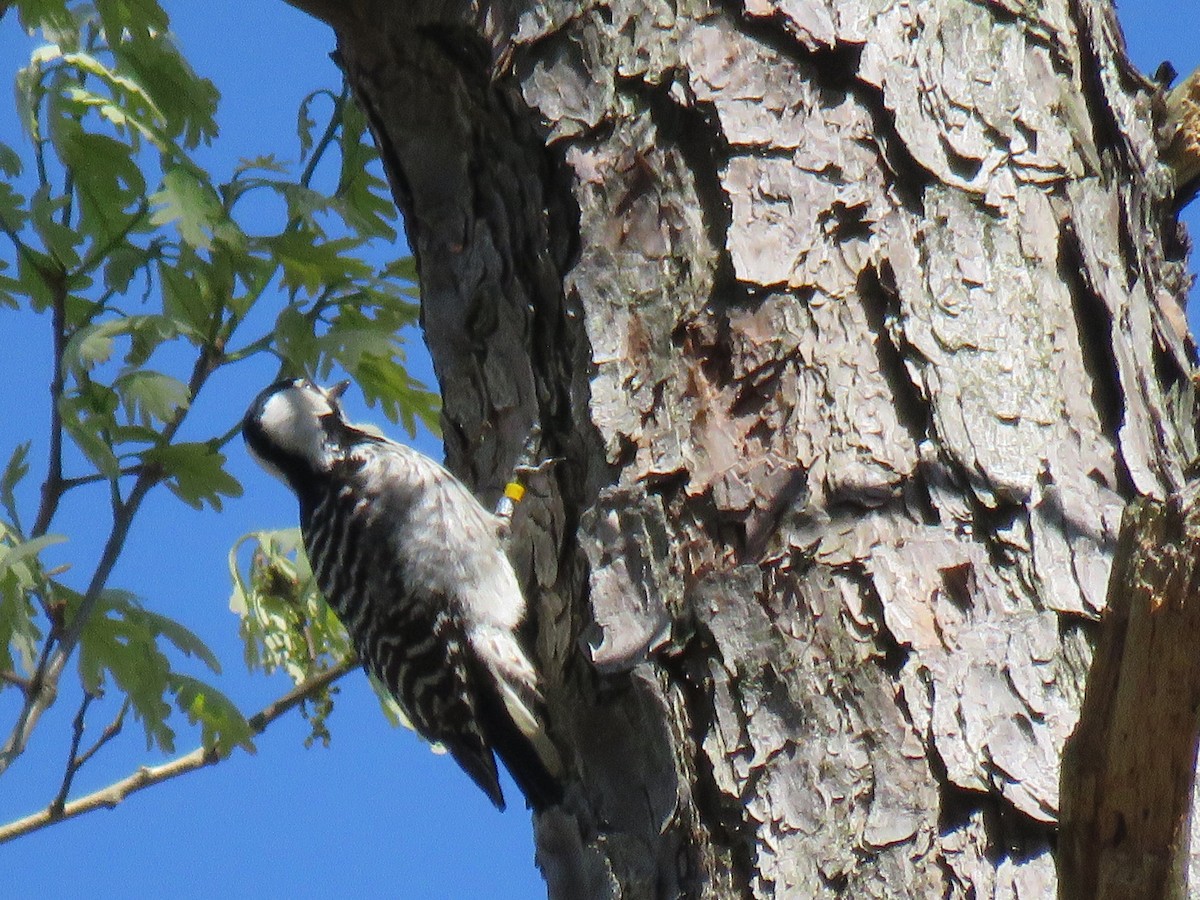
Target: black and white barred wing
{"points": [[450, 653]]}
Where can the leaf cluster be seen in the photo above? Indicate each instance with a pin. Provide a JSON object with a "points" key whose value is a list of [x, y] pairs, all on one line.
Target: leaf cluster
{"points": [[285, 623], [151, 274]]}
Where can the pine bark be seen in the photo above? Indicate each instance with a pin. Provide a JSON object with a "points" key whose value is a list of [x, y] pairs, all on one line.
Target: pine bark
{"points": [[857, 324]]}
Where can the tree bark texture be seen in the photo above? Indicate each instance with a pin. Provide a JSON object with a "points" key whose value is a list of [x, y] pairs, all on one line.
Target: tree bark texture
{"points": [[857, 323]]}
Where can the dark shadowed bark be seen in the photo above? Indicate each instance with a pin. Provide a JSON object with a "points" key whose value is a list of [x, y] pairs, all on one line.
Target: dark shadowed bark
{"points": [[857, 323], [1128, 770]]}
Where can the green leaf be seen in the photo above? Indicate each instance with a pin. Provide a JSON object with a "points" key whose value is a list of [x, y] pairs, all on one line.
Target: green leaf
{"points": [[265, 163], [59, 240], [304, 206], [194, 472], [148, 394], [20, 576], [187, 101], [364, 201], [124, 640], [10, 162], [108, 182], [48, 14], [19, 634], [9, 288], [16, 469], [312, 266], [401, 397], [127, 106], [87, 420], [404, 268], [222, 724], [92, 345], [284, 621], [147, 334], [190, 201], [305, 123], [118, 643], [34, 275], [121, 264], [185, 640], [295, 340], [138, 17], [27, 550], [184, 297], [12, 209]]}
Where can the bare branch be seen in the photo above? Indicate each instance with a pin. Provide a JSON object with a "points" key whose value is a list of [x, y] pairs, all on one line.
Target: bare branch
{"points": [[110, 731], [83, 480], [52, 485], [15, 679], [77, 760], [72, 767], [112, 796]]}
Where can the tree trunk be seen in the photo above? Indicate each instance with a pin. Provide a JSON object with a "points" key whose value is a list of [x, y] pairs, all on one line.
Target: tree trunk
{"points": [[857, 325]]}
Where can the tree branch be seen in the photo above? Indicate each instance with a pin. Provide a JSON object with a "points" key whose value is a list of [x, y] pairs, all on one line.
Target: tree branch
{"points": [[112, 796], [331, 129], [52, 485], [14, 679], [59, 647], [110, 731], [73, 754]]}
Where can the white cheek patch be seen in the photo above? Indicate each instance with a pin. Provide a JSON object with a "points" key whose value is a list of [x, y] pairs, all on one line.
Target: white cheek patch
{"points": [[290, 420]]}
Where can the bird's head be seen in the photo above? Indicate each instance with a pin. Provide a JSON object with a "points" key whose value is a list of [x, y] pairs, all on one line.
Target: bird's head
{"points": [[295, 428]]}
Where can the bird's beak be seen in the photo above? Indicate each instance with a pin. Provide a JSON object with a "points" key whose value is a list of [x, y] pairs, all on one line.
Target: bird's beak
{"points": [[335, 392]]}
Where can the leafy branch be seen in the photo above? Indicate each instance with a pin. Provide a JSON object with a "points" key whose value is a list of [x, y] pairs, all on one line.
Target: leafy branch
{"points": [[147, 776], [151, 272]]}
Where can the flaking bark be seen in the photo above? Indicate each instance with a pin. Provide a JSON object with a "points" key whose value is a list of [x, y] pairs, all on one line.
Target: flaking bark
{"points": [[857, 324]]}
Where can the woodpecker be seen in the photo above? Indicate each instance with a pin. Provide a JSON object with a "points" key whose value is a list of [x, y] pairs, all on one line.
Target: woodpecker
{"points": [[414, 568]]}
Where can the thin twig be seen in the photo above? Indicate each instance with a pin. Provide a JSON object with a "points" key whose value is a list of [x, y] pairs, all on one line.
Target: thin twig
{"points": [[112, 796], [52, 485], [326, 138], [72, 767], [111, 730], [77, 760], [68, 484], [14, 678]]}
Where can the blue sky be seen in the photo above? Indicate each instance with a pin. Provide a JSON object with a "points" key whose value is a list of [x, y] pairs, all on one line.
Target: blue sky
{"points": [[376, 813]]}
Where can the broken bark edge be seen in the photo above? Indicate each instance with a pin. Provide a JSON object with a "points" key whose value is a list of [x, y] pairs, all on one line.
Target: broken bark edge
{"points": [[1182, 152], [1128, 770], [337, 13]]}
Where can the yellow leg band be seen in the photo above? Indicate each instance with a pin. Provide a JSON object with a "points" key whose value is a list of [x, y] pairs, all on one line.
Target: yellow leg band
{"points": [[514, 491]]}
